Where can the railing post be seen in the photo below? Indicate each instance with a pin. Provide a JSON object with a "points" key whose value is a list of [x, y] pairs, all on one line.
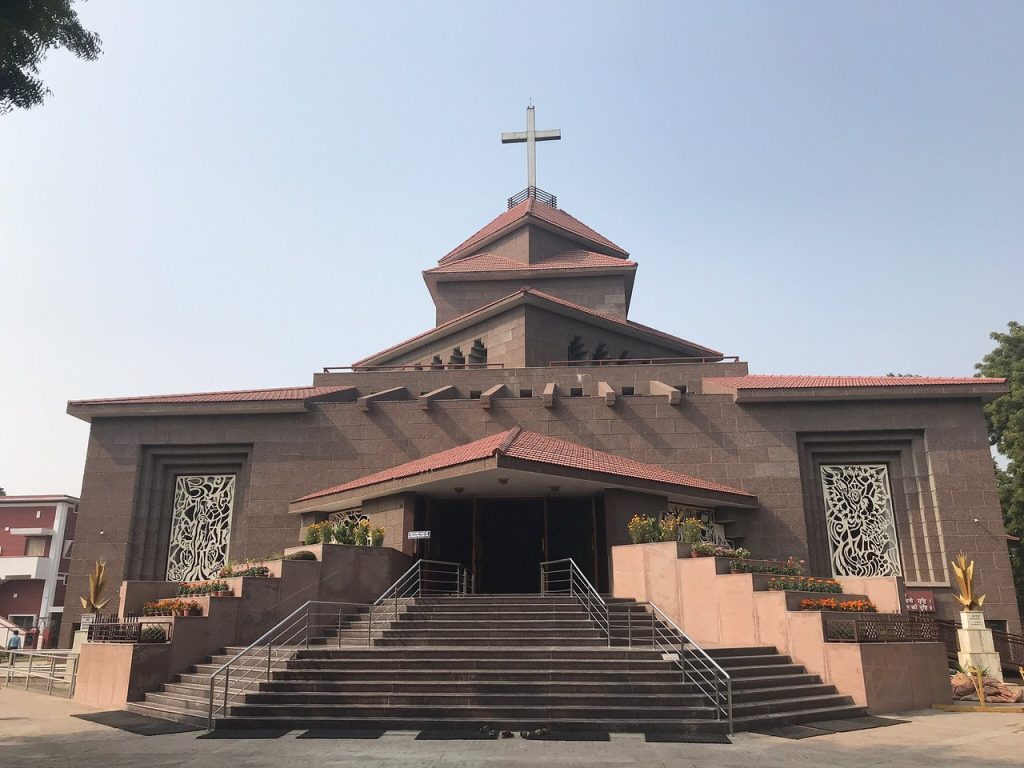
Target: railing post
{"points": [[369, 628], [53, 668], [74, 676], [654, 642], [629, 627], [270, 650], [28, 676], [209, 717], [339, 627], [307, 629], [227, 679]]}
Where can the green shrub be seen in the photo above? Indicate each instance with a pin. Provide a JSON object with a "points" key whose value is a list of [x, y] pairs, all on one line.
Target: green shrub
{"points": [[805, 584], [302, 554]]}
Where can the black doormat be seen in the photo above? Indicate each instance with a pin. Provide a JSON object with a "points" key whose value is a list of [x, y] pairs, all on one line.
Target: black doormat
{"points": [[828, 727], [670, 737], [844, 725], [138, 724], [456, 734], [792, 732], [245, 733], [336, 733], [566, 736]]}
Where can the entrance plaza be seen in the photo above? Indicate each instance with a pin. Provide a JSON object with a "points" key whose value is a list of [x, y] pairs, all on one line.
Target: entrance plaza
{"points": [[39, 731]]}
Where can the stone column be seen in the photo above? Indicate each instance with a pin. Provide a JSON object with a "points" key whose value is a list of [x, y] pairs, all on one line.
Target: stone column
{"points": [[976, 646]]}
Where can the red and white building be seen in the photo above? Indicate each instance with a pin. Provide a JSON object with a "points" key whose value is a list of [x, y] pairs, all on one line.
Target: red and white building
{"points": [[36, 533]]}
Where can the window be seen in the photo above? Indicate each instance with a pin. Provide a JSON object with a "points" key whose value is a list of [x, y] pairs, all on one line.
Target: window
{"points": [[35, 546], [626, 391], [526, 393], [23, 620], [474, 394], [576, 392], [62, 578]]}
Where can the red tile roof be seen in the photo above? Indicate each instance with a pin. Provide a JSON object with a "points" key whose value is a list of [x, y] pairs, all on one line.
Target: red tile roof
{"points": [[518, 443], [553, 216], [555, 300], [489, 262], [234, 396], [816, 382]]}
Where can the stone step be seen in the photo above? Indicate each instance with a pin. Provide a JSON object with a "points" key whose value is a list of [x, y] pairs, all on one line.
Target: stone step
{"points": [[795, 716], [490, 641], [190, 717], [447, 699], [496, 711], [383, 653], [455, 664], [737, 662], [612, 725]]}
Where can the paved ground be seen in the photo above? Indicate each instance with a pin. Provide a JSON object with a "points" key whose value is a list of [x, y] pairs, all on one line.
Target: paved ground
{"points": [[38, 730]]}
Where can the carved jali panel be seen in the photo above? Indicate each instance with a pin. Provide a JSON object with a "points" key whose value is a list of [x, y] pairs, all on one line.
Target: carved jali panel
{"points": [[200, 524], [859, 516]]}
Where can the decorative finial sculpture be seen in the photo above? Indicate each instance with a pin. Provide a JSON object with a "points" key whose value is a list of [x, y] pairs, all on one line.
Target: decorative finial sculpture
{"points": [[965, 580], [92, 603]]}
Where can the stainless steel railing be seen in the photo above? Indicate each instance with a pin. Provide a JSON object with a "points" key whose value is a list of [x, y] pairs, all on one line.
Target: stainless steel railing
{"points": [[319, 620], [696, 666], [56, 668], [564, 577]]}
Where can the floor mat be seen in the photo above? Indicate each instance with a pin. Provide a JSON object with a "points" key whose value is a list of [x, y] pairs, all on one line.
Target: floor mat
{"points": [[669, 737], [567, 736], [245, 733], [335, 733], [828, 727], [456, 734], [792, 732], [139, 724], [854, 723]]}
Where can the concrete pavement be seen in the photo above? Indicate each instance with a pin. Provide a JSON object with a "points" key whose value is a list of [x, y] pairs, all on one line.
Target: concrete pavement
{"points": [[36, 730]]}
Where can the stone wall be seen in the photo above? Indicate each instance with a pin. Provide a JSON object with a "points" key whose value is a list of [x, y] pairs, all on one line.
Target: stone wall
{"points": [[753, 447]]}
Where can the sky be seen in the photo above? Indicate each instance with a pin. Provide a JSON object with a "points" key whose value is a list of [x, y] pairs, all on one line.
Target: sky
{"points": [[239, 193]]}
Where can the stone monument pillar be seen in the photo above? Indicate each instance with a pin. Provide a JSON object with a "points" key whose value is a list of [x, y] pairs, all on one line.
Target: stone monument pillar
{"points": [[976, 646]]}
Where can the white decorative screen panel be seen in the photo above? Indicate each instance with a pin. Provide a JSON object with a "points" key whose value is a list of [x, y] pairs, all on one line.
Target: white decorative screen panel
{"points": [[200, 524], [858, 513]]}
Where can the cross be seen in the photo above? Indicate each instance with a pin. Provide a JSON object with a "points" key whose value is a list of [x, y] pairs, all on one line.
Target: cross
{"points": [[531, 136]]}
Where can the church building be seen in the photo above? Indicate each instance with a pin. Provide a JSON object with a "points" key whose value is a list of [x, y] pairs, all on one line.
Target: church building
{"points": [[530, 422]]}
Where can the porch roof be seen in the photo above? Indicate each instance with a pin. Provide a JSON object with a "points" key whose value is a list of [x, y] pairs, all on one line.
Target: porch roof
{"points": [[533, 459]]}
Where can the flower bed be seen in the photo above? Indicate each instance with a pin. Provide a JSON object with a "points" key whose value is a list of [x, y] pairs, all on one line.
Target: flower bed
{"points": [[791, 567], [831, 604], [805, 584], [197, 588], [706, 549], [172, 607], [244, 569], [353, 530]]}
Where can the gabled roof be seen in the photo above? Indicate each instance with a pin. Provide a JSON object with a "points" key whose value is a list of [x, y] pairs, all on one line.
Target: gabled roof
{"points": [[281, 399], [767, 381], [547, 301], [489, 262], [228, 396], [528, 446], [529, 210], [769, 388]]}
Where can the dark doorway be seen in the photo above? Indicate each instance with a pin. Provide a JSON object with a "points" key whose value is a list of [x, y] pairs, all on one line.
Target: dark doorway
{"points": [[450, 523], [510, 545], [570, 525]]}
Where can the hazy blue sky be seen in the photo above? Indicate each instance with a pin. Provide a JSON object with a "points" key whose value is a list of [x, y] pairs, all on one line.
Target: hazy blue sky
{"points": [[239, 193]]}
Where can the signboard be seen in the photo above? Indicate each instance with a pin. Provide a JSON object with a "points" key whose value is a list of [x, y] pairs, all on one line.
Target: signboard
{"points": [[87, 619], [920, 601], [972, 620], [419, 534]]}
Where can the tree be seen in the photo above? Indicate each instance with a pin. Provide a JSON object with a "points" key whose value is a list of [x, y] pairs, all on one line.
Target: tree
{"points": [[1005, 417], [28, 30]]}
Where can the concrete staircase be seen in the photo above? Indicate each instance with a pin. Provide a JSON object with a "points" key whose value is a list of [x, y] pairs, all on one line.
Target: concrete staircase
{"points": [[509, 661]]}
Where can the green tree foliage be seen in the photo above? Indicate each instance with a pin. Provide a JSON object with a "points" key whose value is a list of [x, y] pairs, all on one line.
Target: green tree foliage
{"points": [[28, 30], [1005, 416]]}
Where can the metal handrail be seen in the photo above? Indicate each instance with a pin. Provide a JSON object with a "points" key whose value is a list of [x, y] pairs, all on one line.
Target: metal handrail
{"points": [[49, 672], [424, 577], [317, 619], [564, 576], [697, 666], [251, 665]]}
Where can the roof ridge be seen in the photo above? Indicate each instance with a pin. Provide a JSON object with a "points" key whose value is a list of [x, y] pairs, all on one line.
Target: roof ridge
{"points": [[509, 440]]}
